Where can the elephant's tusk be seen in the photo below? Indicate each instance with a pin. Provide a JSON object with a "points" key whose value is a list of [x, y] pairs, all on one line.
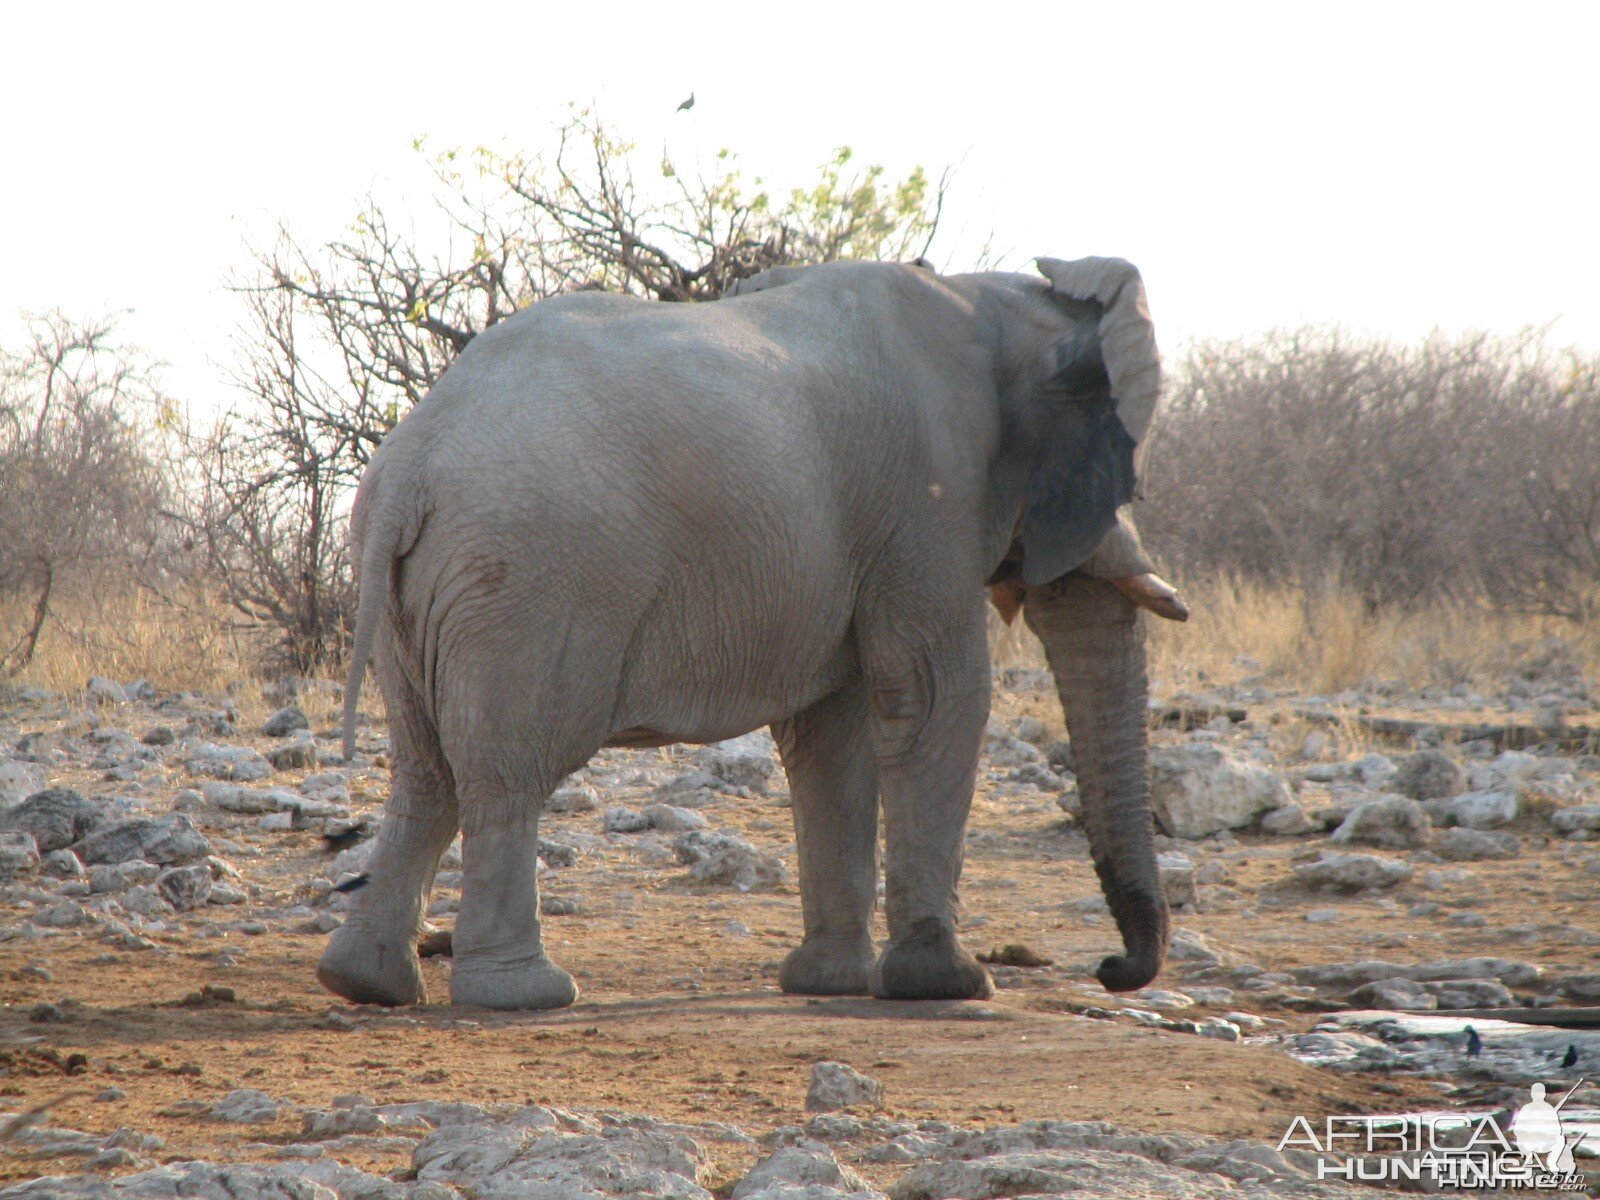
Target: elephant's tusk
{"points": [[1155, 593]]}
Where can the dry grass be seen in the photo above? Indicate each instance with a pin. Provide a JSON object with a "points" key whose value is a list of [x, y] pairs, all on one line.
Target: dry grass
{"points": [[124, 632], [1322, 643], [1328, 642]]}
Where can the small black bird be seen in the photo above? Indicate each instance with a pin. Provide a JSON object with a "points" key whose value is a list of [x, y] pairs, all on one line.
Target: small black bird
{"points": [[354, 883], [336, 838], [1571, 1059], [1474, 1042], [687, 104]]}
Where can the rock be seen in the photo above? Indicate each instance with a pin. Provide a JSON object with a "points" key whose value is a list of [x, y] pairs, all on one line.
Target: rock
{"points": [[558, 854], [1177, 879], [1473, 845], [560, 906], [1429, 775], [619, 819], [1351, 872], [739, 770], [1392, 994], [804, 1164], [1504, 773], [159, 735], [1390, 822], [166, 840], [121, 876], [185, 888], [105, 691], [62, 864], [1199, 789], [835, 1085], [1376, 771], [56, 817], [295, 756], [287, 720], [505, 1160], [1476, 810], [245, 1106], [353, 1118], [17, 780], [573, 800], [240, 764], [1511, 972], [722, 858], [672, 819], [236, 1182], [1470, 993], [1289, 821], [1581, 817], [19, 854]]}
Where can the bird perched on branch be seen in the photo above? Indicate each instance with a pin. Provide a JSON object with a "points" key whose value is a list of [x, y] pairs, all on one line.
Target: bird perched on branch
{"points": [[687, 104]]}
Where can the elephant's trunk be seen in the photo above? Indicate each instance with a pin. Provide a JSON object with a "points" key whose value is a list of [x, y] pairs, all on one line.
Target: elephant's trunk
{"points": [[1094, 640]]}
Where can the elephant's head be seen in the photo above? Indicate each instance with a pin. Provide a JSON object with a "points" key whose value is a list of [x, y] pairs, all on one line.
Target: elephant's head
{"points": [[1080, 575]]}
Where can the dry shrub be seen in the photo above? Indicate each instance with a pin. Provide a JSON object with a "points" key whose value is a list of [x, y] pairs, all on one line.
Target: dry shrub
{"points": [[1459, 469], [126, 632]]}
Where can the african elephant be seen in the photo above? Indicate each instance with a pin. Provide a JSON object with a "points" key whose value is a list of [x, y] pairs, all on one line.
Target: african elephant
{"points": [[621, 523]]}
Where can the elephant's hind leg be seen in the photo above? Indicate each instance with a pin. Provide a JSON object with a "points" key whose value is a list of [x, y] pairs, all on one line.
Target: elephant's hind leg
{"points": [[833, 779], [372, 958], [505, 765]]}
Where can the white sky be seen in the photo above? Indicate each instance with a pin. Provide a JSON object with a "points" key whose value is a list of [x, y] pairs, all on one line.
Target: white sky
{"points": [[1391, 167]]}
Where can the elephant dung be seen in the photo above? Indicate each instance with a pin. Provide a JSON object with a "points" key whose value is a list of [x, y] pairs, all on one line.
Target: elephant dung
{"points": [[1200, 789]]}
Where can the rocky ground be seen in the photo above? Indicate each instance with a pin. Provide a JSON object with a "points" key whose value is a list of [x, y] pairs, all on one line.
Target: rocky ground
{"points": [[167, 866]]}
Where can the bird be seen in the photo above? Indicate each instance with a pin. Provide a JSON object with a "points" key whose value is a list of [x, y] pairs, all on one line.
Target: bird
{"points": [[354, 884], [1474, 1042], [687, 104], [1571, 1059], [29, 1118], [342, 838]]}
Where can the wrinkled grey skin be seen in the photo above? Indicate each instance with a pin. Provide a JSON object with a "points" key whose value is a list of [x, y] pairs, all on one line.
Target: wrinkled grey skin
{"points": [[619, 523]]}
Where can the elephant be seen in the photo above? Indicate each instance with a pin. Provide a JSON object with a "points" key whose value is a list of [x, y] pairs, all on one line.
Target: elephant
{"points": [[622, 523]]}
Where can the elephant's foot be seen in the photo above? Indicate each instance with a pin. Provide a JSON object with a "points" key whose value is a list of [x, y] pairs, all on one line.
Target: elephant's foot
{"points": [[532, 982], [828, 967], [371, 968], [928, 964]]}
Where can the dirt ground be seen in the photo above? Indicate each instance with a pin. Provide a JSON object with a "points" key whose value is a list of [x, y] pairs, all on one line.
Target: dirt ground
{"points": [[680, 1016]]}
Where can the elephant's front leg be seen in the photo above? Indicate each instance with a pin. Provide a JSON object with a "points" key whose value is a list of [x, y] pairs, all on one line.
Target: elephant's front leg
{"points": [[833, 780], [929, 709]]}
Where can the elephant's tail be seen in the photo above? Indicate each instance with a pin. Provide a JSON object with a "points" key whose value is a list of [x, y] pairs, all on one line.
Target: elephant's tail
{"points": [[390, 532]]}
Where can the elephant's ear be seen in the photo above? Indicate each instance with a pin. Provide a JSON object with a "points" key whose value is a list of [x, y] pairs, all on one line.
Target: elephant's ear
{"points": [[1095, 406]]}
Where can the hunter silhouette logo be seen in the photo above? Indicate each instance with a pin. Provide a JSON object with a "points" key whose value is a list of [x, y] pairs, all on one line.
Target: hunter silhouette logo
{"points": [[1533, 1151], [1537, 1131]]}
